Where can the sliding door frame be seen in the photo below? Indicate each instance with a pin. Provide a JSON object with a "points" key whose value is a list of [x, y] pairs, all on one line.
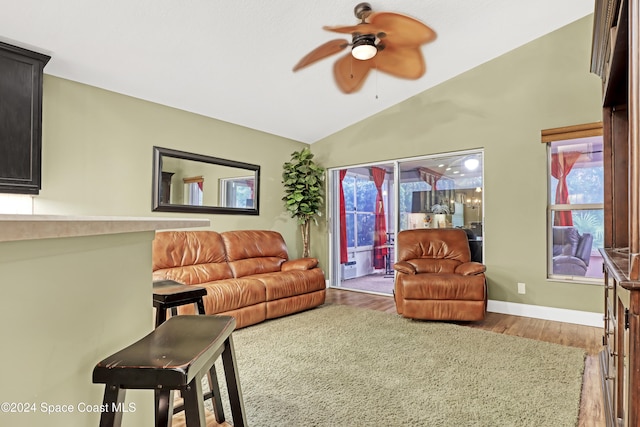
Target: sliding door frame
{"points": [[333, 215]]}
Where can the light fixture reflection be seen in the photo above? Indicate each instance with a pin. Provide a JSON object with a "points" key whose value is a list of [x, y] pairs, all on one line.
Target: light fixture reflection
{"points": [[471, 164]]}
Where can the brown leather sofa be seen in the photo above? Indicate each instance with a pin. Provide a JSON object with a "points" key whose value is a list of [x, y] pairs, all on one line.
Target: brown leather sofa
{"points": [[436, 278], [247, 273]]}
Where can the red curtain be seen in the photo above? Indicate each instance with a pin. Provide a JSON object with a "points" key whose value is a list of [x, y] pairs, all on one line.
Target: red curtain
{"points": [[200, 185], [343, 221], [380, 233], [561, 165]]}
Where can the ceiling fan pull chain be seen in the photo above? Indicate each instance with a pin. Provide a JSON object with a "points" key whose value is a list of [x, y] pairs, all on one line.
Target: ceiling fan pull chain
{"points": [[376, 70], [351, 65]]}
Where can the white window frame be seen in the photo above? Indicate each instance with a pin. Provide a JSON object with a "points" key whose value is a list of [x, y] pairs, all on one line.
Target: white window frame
{"points": [[565, 134]]}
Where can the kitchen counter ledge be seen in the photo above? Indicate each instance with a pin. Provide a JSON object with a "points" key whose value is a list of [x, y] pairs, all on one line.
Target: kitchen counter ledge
{"points": [[31, 227]]}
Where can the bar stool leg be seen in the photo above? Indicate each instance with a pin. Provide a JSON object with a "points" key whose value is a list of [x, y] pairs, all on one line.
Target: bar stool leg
{"points": [[161, 315], [200, 306], [164, 406], [216, 400], [174, 312], [233, 384], [113, 399], [194, 404]]}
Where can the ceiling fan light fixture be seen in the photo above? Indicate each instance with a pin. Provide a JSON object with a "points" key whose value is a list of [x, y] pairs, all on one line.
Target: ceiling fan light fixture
{"points": [[364, 47]]}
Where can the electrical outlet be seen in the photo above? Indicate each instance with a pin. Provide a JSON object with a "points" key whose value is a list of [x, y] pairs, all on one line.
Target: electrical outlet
{"points": [[521, 288]]}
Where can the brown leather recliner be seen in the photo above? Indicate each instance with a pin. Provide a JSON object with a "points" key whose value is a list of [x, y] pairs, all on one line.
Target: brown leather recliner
{"points": [[436, 278]]}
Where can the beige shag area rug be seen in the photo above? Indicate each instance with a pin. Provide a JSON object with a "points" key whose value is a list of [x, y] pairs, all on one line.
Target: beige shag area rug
{"points": [[344, 366]]}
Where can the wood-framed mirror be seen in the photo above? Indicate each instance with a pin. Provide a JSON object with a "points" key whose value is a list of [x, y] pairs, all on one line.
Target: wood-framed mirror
{"points": [[196, 183]]}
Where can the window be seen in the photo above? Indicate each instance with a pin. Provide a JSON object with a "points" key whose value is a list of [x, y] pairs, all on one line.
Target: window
{"points": [[193, 190], [575, 208], [443, 191], [359, 197], [237, 192]]}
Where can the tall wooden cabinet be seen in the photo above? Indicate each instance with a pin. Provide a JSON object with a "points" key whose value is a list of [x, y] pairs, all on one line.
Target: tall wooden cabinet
{"points": [[20, 119], [616, 56]]}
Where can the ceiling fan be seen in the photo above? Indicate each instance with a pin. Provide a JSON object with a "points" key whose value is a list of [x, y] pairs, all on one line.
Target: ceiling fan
{"points": [[387, 41]]}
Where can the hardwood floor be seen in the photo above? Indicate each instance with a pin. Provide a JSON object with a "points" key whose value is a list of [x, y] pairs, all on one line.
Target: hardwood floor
{"points": [[589, 338]]}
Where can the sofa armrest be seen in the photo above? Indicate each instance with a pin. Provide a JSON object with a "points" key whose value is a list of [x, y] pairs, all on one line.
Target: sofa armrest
{"points": [[299, 264], [404, 267], [470, 268]]}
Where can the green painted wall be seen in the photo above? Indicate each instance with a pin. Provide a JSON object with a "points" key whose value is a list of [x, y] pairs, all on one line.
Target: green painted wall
{"points": [[500, 106], [69, 303], [97, 156]]}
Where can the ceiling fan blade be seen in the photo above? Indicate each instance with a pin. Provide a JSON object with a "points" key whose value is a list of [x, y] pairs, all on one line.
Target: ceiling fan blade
{"points": [[402, 29], [401, 61], [321, 52], [362, 28], [350, 73]]}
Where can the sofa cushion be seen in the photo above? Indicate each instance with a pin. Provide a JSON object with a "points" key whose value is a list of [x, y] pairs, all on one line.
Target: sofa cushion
{"points": [[289, 283], [441, 244], [252, 252], [190, 257], [230, 294], [253, 266], [195, 274]]}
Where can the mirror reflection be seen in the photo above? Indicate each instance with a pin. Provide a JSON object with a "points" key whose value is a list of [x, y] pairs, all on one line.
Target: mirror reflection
{"points": [[189, 182]]}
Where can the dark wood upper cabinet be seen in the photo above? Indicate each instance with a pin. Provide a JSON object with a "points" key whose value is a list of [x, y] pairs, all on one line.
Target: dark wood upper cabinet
{"points": [[616, 59], [20, 119]]}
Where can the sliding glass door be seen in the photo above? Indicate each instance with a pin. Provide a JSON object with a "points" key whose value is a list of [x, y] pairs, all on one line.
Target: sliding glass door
{"points": [[370, 203], [364, 218], [444, 191]]}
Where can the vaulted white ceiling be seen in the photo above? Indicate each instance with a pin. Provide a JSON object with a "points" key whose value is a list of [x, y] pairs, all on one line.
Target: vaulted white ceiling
{"points": [[232, 59]]}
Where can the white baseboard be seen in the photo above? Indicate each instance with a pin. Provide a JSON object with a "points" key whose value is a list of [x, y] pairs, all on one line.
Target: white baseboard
{"points": [[586, 318]]}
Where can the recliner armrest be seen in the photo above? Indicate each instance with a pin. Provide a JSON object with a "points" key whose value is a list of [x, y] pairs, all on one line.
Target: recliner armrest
{"points": [[569, 265], [299, 264], [470, 268], [404, 267]]}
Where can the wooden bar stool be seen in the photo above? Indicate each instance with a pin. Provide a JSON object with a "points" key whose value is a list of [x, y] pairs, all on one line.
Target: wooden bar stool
{"points": [[168, 294], [174, 356]]}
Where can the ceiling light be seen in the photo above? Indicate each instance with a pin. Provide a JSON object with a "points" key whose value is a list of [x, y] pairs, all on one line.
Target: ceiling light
{"points": [[364, 47], [471, 163]]}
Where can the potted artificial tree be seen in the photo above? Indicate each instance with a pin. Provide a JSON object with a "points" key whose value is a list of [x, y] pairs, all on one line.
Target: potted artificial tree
{"points": [[303, 183]]}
